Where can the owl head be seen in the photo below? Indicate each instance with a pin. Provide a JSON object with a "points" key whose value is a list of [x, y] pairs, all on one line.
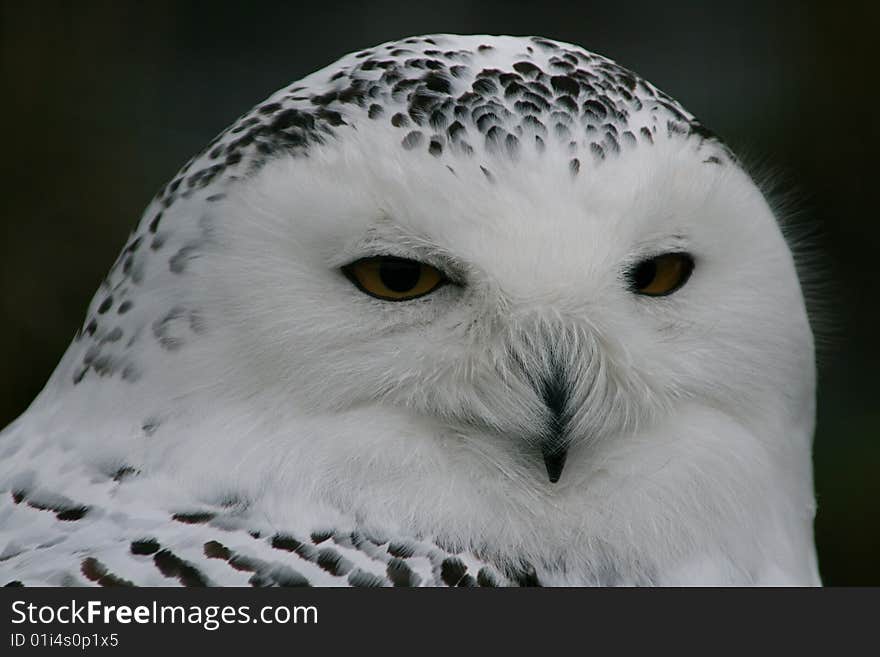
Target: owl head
{"points": [[501, 286]]}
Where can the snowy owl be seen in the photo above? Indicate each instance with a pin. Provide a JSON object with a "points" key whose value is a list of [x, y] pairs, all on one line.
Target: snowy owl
{"points": [[454, 310]]}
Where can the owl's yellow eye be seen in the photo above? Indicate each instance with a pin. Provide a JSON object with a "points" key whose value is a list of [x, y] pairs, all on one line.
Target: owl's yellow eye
{"points": [[661, 275], [394, 279]]}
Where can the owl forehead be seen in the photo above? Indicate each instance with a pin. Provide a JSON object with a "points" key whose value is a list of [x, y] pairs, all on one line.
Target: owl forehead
{"points": [[456, 97]]}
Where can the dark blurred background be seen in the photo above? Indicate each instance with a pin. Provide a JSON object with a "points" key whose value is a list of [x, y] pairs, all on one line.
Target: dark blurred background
{"points": [[101, 102]]}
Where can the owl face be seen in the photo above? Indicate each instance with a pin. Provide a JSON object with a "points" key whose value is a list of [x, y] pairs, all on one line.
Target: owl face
{"points": [[516, 313]]}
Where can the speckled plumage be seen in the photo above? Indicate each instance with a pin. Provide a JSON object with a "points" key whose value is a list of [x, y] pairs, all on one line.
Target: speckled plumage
{"points": [[452, 101], [60, 542], [117, 500]]}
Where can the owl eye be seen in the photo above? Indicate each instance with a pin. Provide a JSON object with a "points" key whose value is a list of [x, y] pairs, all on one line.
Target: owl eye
{"points": [[661, 275], [394, 279]]}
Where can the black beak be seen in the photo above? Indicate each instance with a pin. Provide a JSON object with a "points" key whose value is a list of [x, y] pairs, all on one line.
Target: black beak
{"points": [[554, 459], [554, 444]]}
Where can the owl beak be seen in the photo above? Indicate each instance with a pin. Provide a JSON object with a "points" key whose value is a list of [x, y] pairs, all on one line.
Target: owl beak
{"points": [[554, 453], [552, 384], [554, 443]]}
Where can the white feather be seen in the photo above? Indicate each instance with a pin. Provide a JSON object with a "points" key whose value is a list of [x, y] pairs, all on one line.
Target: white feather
{"points": [[265, 389]]}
